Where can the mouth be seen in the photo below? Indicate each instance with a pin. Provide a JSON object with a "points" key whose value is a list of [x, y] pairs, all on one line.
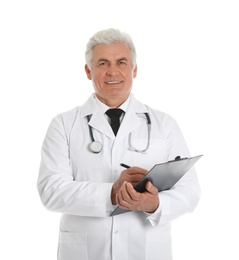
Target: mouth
{"points": [[115, 82]]}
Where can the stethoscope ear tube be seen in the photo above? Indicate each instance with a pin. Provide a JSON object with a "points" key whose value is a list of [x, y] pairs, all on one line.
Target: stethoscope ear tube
{"points": [[132, 148], [96, 146], [90, 130], [148, 118]]}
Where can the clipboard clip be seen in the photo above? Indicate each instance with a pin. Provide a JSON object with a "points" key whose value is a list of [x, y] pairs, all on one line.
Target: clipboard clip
{"points": [[178, 158]]}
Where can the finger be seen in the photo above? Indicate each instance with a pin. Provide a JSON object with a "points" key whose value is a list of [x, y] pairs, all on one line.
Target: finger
{"points": [[136, 170], [132, 193], [151, 188], [134, 181], [123, 198], [117, 198], [133, 175], [128, 193]]}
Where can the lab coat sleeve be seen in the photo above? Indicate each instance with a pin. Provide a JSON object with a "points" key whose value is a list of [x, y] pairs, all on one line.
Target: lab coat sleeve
{"points": [[184, 196], [181, 199], [56, 185]]}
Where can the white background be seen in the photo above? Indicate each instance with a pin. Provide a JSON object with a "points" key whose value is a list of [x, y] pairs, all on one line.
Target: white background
{"points": [[188, 66]]}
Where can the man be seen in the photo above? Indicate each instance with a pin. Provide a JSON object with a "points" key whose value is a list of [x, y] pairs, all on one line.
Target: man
{"points": [[81, 177]]}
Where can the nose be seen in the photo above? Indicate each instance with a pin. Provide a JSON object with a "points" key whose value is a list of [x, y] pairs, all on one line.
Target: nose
{"points": [[112, 71]]}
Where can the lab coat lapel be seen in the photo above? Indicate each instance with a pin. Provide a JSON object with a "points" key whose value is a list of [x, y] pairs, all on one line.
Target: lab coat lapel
{"points": [[131, 120], [98, 121]]}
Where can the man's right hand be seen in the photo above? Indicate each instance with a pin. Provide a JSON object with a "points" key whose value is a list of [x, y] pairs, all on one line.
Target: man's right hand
{"points": [[132, 175]]}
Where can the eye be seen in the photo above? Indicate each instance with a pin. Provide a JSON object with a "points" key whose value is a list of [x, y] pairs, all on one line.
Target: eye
{"points": [[122, 62], [103, 63]]}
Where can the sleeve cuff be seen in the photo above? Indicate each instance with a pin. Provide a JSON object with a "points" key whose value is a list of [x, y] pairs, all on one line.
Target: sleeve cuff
{"points": [[154, 218]]}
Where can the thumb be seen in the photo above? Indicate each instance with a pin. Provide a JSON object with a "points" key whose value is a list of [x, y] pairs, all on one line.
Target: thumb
{"points": [[150, 187]]}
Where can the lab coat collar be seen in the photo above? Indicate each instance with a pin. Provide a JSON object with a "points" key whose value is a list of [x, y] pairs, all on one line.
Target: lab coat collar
{"points": [[99, 121], [131, 119]]}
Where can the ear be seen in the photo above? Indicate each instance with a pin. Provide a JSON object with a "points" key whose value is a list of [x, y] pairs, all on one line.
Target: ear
{"points": [[135, 71], [88, 72]]}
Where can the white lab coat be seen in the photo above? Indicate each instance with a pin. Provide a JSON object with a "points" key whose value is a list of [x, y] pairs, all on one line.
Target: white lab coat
{"points": [[76, 182]]}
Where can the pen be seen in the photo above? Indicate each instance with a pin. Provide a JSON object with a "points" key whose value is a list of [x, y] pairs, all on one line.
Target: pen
{"points": [[125, 165]]}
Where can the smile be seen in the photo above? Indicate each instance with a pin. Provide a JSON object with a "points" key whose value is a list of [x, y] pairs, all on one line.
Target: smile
{"points": [[113, 82]]}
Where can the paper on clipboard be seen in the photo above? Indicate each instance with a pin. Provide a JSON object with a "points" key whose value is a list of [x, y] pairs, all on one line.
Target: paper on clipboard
{"points": [[163, 176]]}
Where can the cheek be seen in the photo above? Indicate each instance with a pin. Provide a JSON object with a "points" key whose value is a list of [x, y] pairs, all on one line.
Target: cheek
{"points": [[97, 76], [97, 82]]}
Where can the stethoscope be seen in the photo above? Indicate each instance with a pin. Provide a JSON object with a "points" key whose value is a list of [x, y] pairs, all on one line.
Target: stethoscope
{"points": [[96, 146]]}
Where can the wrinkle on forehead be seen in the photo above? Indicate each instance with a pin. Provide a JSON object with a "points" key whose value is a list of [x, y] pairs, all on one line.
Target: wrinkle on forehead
{"points": [[112, 52]]}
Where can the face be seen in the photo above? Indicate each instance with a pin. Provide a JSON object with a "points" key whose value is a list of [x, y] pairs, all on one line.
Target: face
{"points": [[112, 73]]}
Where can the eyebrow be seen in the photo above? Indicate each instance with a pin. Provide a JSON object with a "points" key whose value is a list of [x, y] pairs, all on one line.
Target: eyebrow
{"points": [[101, 59], [122, 59]]}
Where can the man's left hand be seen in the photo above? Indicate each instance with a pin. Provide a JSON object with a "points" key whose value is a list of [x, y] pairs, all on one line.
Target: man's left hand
{"points": [[129, 198]]}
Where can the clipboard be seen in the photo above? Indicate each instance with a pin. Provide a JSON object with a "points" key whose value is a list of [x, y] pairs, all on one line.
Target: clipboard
{"points": [[163, 176]]}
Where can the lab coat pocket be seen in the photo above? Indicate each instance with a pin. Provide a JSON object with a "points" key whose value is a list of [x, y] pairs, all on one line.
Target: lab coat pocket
{"points": [[72, 246]]}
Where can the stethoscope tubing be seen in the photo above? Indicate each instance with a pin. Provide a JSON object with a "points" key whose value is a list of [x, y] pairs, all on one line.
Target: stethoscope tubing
{"points": [[96, 147]]}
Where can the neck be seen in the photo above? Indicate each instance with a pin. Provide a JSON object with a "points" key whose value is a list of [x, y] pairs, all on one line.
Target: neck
{"points": [[113, 102]]}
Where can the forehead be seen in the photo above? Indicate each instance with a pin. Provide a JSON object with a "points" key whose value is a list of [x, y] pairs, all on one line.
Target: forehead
{"points": [[111, 51]]}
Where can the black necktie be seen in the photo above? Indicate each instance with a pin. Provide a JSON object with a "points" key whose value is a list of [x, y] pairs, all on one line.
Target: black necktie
{"points": [[114, 115]]}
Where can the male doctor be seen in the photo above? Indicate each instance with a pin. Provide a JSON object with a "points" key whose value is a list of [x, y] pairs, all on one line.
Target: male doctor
{"points": [[80, 173]]}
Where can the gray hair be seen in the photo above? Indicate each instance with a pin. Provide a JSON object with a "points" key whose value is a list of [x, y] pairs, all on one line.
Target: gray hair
{"points": [[109, 36]]}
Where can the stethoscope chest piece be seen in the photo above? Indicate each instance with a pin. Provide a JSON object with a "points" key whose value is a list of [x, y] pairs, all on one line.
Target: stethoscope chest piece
{"points": [[95, 147]]}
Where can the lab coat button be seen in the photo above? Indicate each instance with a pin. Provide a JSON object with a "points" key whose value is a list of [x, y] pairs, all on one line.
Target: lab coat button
{"points": [[116, 232]]}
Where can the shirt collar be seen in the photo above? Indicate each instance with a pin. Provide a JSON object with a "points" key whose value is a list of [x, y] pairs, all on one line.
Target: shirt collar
{"points": [[103, 107]]}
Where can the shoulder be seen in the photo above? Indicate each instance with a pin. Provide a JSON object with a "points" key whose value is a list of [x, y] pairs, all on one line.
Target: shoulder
{"points": [[160, 116], [69, 114], [157, 117], [65, 119]]}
